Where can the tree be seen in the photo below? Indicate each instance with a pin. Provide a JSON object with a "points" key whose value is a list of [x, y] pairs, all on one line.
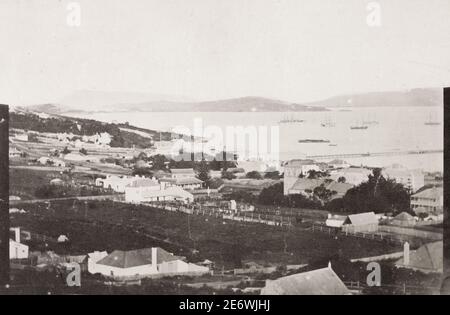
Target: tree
{"points": [[83, 151], [203, 171], [253, 175], [66, 151], [322, 194], [272, 175], [228, 175], [377, 194], [341, 179], [143, 171]]}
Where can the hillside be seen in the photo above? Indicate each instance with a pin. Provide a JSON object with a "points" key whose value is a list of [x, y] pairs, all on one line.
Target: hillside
{"points": [[28, 120], [414, 97]]}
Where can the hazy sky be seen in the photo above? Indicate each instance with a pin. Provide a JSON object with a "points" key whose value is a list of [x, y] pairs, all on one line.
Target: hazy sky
{"points": [[295, 50]]}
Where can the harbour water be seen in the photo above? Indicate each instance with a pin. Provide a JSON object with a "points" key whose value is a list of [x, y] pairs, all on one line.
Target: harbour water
{"points": [[390, 129]]}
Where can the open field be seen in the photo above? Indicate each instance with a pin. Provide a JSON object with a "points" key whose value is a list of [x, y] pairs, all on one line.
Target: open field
{"points": [[108, 225]]}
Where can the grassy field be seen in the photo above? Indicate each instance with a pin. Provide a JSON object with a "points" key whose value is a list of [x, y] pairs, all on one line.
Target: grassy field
{"points": [[107, 226]]}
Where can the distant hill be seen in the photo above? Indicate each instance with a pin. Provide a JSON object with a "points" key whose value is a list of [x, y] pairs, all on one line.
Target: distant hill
{"points": [[414, 97]]}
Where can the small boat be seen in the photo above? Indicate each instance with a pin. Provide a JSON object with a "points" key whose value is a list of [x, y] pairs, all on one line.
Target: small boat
{"points": [[313, 141], [359, 127], [332, 145]]}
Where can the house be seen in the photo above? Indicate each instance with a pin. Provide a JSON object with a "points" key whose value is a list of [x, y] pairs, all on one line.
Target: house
{"points": [[338, 164], [182, 173], [188, 183], [317, 282], [429, 201], [44, 160], [335, 220], [92, 259], [14, 153], [361, 222], [146, 190], [404, 219], [428, 258], [17, 250], [352, 175], [144, 262], [115, 182], [56, 182], [253, 186], [21, 137], [293, 169], [306, 186], [411, 179]]}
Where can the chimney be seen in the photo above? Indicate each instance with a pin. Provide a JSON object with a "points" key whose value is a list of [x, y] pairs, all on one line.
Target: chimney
{"points": [[406, 254], [155, 258], [17, 234]]}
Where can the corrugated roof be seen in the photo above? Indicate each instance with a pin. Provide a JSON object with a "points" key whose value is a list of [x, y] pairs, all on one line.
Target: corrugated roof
{"points": [[182, 170], [317, 282], [361, 219], [340, 188], [138, 257]]}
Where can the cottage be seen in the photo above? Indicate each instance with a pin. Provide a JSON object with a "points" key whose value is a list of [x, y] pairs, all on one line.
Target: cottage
{"points": [[352, 175], [188, 183], [292, 170], [361, 222], [146, 190], [317, 282], [404, 219], [338, 164], [429, 201], [14, 153], [17, 250], [182, 173], [145, 262], [427, 258], [335, 220]]}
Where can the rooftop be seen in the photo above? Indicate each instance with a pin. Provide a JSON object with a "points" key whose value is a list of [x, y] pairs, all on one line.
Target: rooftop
{"points": [[317, 282], [361, 219], [434, 192], [138, 257]]}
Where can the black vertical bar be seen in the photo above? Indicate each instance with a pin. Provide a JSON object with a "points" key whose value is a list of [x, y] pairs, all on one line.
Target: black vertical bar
{"points": [[4, 195], [446, 284]]}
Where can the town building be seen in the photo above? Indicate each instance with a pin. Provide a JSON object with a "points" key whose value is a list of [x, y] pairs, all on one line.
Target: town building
{"points": [[188, 183], [410, 179], [352, 175], [403, 219], [182, 173], [338, 164], [428, 258], [115, 182], [145, 262], [17, 250], [361, 222], [429, 201], [317, 282], [14, 153], [293, 169], [306, 186], [148, 190]]}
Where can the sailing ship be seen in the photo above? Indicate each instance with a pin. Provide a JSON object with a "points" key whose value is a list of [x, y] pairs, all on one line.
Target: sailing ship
{"points": [[431, 122], [356, 127], [290, 120]]}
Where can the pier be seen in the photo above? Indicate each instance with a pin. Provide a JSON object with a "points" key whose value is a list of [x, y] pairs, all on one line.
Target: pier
{"points": [[370, 154]]}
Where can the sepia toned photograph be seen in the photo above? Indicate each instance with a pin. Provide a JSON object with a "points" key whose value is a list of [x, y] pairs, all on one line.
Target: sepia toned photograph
{"points": [[236, 148]]}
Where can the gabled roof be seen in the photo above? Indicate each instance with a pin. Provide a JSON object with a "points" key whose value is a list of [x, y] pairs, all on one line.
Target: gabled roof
{"points": [[427, 257], [142, 182], [134, 258], [182, 171], [317, 282], [434, 192], [340, 188], [362, 219], [182, 181], [306, 183], [404, 216]]}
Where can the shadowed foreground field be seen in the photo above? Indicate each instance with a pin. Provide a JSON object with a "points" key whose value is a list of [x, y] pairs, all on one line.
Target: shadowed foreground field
{"points": [[107, 225]]}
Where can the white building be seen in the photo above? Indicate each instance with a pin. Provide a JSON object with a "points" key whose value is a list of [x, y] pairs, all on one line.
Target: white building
{"points": [[115, 182], [352, 175], [17, 250], [411, 179], [14, 153], [294, 168], [429, 201], [146, 190], [141, 263]]}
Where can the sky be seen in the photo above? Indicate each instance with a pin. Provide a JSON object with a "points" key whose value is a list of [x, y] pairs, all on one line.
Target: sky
{"points": [[211, 49]]}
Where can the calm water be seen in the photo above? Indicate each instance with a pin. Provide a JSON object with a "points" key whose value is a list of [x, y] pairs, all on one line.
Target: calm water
{"points": [[398, 129]]}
